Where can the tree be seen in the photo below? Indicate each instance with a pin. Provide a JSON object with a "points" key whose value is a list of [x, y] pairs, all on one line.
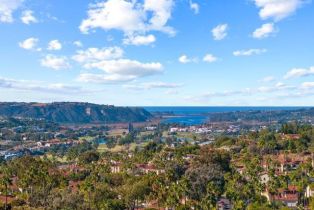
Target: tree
{"points": [[311, 204], [88, 157], [36, 177], [239, 190], [136, 190], [66, 200], [204, 182], [5, 181]]}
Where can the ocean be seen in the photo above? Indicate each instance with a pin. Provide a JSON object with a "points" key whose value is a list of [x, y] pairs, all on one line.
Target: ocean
{"points": [[198, 115]]}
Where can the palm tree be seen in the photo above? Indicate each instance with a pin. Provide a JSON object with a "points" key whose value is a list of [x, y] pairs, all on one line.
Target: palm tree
{"points": [[182, 189], [311, 149]]}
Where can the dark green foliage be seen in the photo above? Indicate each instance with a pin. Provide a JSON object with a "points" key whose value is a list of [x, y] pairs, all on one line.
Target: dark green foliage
{"points": [[74, 112], [88, 157]]}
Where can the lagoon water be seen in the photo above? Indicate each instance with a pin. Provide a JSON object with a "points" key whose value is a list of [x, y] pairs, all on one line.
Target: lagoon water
{"points": [[198, 115]]}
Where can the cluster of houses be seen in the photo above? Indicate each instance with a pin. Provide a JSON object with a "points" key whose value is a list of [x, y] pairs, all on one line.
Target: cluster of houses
{"points": [[283, 164], [205, 129], [40, 146], [116, 167]]}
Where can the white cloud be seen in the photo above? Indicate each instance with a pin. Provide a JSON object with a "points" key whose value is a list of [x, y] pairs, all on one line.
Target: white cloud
{"points": [[264, 31], [220, 94], [209, 58], [220, 31], [299, 72], [96, 54], [54, 45], [265, 89], [277, 9], [283, 86], [185, 59], [78, 43], [126, 67], [249, 52], [29, 44], [277, 91], [104, 78], [307, 85], [139, 40], [172, 92], [161, 10], [114, 14], [268, 79], [28, 85], [153, 85], [55, 62], [7, 8], [115, 67], [28, 17], [129, 16], [194, 6], [276, 88]]}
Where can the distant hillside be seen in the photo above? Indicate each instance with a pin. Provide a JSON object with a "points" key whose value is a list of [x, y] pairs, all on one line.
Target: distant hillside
{"points": [[281, 116], [71, 112]]}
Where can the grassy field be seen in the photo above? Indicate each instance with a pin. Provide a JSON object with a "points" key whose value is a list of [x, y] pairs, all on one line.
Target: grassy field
{"points": [[50, 157], [120, 148], [86, 138], [146, 133], [117, 132], [187, 135]]}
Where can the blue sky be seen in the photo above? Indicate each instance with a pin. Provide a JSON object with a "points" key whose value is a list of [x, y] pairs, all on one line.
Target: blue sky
{"points": [[165, 52]]}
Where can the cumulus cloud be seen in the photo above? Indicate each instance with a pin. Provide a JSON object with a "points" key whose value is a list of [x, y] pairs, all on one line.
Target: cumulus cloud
{"points": [[54, 45], [116, 68], [249, 52], [209, 58], [161, 12], [277, 9], [194, 6], [139, 40], [55, 62], [29, 44], [129, 16], [127, 67], [299, 72], [28, 85], [97, 54], [28, 17], [78, 43], [185, 59], [114, 14], [7, 8], [220, 32], [264, 31]]}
